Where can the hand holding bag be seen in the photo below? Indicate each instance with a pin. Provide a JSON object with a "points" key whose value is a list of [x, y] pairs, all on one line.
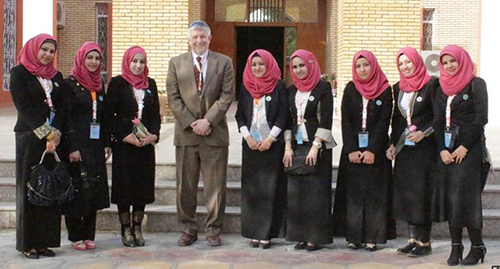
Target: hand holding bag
{"points": [[299, 166], [49, 187]]}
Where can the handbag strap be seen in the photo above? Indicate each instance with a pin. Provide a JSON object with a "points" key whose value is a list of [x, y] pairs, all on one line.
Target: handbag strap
{"points": [[70, 187], [55, 156]]}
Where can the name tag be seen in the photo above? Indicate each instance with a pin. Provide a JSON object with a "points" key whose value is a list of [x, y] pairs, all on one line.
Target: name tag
{"points": [[448, 139], [95, 130], [300, 137], [408, 142], [256, 135], [363, 139]]}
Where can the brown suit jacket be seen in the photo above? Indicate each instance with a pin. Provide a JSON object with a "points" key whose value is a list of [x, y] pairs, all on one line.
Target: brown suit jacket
{"points": [[212, 104]]}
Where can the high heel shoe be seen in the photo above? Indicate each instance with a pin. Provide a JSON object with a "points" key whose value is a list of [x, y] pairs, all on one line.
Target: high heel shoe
{"points": [[457, 250], [475, 255]]}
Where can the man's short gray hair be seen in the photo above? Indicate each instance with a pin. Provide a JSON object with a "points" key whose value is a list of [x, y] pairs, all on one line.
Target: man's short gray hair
{"points": [[199, 25]]}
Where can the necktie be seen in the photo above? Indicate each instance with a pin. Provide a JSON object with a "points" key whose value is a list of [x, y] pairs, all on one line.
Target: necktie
{"points": [[197, 74]]}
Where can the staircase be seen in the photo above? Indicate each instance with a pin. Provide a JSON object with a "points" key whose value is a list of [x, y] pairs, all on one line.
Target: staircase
{"points": [[161, 215]]}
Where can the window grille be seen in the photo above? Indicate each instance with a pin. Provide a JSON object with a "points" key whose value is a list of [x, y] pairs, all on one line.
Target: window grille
{"points": [[102, 35], [427, 29]]}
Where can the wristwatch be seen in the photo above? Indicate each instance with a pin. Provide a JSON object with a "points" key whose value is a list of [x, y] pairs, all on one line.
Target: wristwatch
{"points": [[317, 144]]}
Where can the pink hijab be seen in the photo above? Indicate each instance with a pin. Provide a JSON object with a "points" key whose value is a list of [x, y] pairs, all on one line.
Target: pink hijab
{"points": [[419, 78], [453, 84], [90, 80], [28, 57], [376, 83], [137, 81], [313, 71], [257, 87]]}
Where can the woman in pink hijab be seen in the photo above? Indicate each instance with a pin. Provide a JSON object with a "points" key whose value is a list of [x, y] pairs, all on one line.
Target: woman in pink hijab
{"points": [[39, 96], [361, 212], [309, 144], [412, 140], [261, 116], [460, 114], [83, 143], [132, 115]]}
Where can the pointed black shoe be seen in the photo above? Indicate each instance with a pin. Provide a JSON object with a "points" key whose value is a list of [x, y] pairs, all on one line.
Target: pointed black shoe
{"points": [[408, 248], [457, 250], [422, 249], [475, 255]]}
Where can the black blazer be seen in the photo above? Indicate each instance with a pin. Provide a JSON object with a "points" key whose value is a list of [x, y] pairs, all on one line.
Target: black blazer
{"points": [[80, 114], [276, 108], [377, 123], [121, 108], [29, 99], [321, 98], [421, 111], [469, 112]]}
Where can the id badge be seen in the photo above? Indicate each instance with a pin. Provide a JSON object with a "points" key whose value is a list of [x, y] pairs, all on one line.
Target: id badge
{"points": [[447, 139], [363, 139], [52, 115], [300, 138], [95, 129], [256, 135], [408, 142]]}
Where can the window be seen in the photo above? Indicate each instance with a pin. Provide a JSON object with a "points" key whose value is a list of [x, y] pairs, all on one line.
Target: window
{"points": [[427, 28], [9, 41], [102, 35]]}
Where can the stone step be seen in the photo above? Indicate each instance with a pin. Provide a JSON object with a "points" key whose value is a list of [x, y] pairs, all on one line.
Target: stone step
{"points": [[166, 172], [162, 218], [165, 193]]}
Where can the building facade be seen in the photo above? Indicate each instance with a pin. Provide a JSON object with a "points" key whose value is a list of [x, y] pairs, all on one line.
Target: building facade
{"points": [[332, 29]]}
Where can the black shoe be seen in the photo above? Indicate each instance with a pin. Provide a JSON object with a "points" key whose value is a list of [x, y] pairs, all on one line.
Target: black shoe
{"points": [[457, 250], [300, 245], [312, 247], [127, 237], [266, 245], [353, 246], [45, 252], [31, 254], [422, 249], [254, 243], [370, 247], [475, 255], [408, 248]]}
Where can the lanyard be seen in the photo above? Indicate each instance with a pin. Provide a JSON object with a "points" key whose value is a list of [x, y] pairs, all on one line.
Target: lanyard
{"points": [[139, 97], [448, 111], [408, 113], [94, 106], [301, 110], [47, 88], [256, 108], [365, 113]]}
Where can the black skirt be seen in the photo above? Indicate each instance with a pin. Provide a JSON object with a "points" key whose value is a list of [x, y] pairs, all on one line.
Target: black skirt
{"points": [[36, 227], [263, 187], [362, 209], [309, 213], [414, 176], [457, 196], [133, 174]]}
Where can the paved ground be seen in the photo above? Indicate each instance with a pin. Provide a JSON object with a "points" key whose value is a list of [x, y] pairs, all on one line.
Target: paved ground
{"points": [[162, 252]]}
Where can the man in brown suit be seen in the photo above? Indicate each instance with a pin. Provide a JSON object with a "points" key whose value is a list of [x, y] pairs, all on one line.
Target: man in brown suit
{"points": [[200, 87]]}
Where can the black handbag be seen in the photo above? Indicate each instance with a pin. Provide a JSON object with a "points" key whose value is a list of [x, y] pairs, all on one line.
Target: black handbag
{"points": [[299, 166], [49, 187], [88, 183]]}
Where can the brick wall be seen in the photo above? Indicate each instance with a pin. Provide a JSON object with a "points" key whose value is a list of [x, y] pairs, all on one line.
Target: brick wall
{"points": [[331, 37], [455, 23], [381, 26], [159, 26], [80, 27]]}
